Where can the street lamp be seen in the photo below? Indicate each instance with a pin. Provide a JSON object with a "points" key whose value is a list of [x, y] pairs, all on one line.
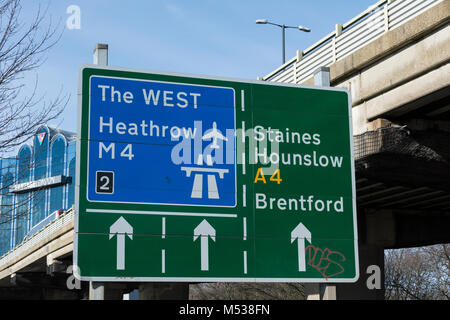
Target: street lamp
{"points": [[283, 27]]}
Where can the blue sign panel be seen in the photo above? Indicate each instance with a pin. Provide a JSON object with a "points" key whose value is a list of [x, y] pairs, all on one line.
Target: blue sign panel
{"points": [[155, 142]]}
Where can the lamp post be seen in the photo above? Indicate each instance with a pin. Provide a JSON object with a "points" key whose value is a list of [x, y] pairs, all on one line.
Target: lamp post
{"points": [[283, 27]]}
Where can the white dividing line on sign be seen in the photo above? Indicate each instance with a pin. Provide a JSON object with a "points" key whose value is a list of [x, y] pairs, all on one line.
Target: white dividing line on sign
{"points": [[243, 141], [244, 222], [166, 213], [242, 100], [163, 232], [163, 261], [245, 262]]}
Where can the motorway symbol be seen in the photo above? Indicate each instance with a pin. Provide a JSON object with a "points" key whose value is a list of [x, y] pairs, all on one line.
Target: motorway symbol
{"points": [[197, 187]]}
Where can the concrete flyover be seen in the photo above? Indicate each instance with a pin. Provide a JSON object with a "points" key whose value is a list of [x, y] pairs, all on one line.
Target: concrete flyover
{"points": [[405, 69], [400, 89]]}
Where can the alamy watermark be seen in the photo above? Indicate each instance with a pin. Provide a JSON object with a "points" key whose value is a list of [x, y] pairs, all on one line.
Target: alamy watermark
{"points": [[73, 22], [224, 148], [374, 280], [73, 281]]}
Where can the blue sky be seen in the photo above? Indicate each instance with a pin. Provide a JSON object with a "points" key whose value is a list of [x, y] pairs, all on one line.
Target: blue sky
{"points": [[207, 37]]}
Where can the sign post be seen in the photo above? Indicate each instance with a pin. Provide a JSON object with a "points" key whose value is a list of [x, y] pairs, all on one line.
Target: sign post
{"points": [[187, 178]]}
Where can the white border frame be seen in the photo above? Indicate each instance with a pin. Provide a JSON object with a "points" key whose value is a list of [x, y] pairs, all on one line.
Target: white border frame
{"points": [[160, 203], [212, 279]]}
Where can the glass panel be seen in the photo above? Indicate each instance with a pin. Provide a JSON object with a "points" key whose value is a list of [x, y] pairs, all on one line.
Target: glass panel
{"points": [[6, 213], [71, 188], [24, 158], [23, 200], [40, 171], [38, 206], [40, 154], [21, 217]]}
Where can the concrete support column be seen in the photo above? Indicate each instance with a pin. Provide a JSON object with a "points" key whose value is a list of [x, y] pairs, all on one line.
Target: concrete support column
{"points": [[328, 292], [312, 291], [322, 291], [106, 291], [164, 291], [114, 291], [96, 290], [101, 54], [322, 77]]}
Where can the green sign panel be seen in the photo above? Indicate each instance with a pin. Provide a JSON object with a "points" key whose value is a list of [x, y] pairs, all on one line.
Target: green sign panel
{"points": [[189, 178]]}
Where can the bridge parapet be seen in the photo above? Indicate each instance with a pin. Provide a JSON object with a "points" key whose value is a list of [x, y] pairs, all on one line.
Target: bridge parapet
{"points": [[382, 17]]}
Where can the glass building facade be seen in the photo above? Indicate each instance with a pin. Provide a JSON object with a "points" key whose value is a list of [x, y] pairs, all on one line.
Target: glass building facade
{"points": [[36, 185]]}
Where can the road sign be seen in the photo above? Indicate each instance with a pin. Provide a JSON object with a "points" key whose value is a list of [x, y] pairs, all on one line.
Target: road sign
{"points": [[189, 178]]}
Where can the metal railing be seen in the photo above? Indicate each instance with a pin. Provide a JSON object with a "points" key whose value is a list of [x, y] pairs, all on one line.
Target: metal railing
{"points": [[44, 233], [378, 19]]}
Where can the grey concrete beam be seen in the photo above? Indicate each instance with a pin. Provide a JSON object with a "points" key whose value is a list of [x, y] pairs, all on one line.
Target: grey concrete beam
{"points": [[405, 65], [408, 92], [392, 41], [401, 99]]}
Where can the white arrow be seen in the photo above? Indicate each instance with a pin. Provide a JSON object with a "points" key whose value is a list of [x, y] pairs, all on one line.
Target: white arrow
{"points": [[300, 233], [120, 228], [204, 230]]}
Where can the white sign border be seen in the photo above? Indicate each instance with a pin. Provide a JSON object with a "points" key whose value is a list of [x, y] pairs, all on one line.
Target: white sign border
{"points": [[209, 279]]}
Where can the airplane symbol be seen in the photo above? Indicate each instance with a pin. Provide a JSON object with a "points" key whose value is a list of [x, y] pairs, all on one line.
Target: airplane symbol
{"points": [[197, 187], [214, 134]]}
